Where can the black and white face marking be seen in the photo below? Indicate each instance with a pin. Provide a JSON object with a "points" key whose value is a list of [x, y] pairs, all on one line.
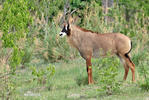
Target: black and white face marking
{"points": [[65, 31]]}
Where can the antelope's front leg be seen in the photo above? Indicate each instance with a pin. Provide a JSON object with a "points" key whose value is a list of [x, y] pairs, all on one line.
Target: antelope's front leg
{"points": [[89, 71]]}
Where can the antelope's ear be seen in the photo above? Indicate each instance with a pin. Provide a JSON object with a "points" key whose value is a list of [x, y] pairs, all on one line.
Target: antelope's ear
{"points": [[70, 20], [68, 27]]}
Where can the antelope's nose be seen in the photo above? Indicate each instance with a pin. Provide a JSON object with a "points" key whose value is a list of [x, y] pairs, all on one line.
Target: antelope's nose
{"points": [[60, 34]]}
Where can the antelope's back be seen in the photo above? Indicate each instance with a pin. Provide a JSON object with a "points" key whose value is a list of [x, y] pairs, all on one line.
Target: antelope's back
{"points": [[110, 43]]}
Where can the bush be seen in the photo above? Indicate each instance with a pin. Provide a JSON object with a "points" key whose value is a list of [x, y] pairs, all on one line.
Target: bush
{"points": [[108, 70], [43, 75], [144, 70], [14, 20]]}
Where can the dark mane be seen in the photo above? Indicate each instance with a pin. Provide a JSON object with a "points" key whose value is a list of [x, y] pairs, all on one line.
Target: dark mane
{"points": [[85, 30]]}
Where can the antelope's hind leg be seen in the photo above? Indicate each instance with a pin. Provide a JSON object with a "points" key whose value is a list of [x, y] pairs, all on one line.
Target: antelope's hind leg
{"points": [[129, 64], [126, 67]]}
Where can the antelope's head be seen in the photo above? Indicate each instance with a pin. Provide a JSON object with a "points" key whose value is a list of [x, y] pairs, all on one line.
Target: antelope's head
{"points": [[65, 30]]}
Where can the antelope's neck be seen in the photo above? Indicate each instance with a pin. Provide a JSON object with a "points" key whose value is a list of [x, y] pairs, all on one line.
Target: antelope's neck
{"points": [[78, 37], [74, 39]]}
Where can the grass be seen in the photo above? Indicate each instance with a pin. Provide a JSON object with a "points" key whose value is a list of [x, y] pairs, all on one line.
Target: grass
{"points": [[70, 83]]}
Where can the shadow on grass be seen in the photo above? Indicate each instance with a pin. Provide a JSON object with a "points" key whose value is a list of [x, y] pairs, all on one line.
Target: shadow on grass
{"points": [[82, 80]]}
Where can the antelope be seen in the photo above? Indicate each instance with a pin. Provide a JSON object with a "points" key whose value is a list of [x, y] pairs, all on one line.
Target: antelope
{"points": [[91, 44]]}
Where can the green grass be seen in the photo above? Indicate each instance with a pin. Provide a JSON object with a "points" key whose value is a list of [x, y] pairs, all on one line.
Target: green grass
{"points": [[70, 83]]}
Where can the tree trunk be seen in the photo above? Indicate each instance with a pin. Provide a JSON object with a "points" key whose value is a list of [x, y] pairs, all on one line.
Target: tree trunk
{"points": [[106, 4]]}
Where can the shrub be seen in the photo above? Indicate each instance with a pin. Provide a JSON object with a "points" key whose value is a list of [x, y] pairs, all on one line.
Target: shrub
{"points": [[144, 70], [14, 20], [108, 70], [42, 75]]}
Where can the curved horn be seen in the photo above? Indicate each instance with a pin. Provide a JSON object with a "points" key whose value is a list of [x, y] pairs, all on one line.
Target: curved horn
{"points": [[73, 11], [66, 10]]}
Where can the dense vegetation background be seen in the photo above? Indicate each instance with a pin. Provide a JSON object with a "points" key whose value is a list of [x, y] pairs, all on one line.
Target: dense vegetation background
{"points": [[29, 35]]}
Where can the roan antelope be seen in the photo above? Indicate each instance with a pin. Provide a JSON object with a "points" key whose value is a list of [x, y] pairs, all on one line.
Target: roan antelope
{"points": [[91, 44]]}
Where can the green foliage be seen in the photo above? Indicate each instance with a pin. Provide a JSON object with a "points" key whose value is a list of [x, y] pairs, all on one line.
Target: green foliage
{"points": [[136, 6], [7, 89], [108, 70], [43, 75], [145, 85], [82, 79], [49, 8], [144, 70], [27, 54], [14, 20], [16, 58]]}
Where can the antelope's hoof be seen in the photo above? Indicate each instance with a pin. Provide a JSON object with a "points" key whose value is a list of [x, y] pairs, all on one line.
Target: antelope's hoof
{"points": [[92, 82]]}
